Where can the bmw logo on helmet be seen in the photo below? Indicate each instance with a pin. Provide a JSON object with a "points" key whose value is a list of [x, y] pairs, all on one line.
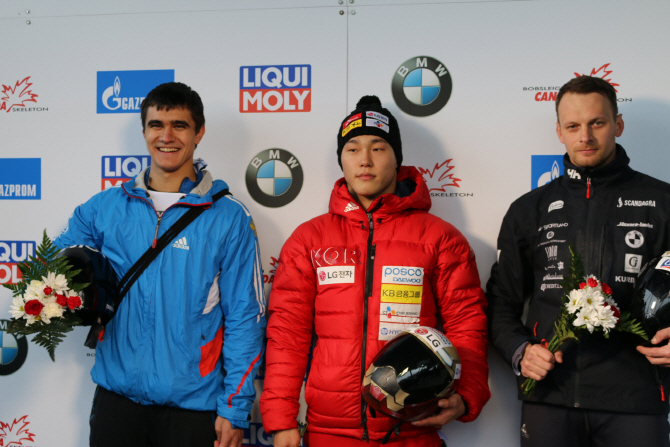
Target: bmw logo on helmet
{"points": [[421, 86], [411, 373], [274, 177], [13, 350]]}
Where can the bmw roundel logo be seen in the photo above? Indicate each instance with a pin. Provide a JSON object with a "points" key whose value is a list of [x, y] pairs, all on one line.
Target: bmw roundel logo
{"points": [[421, 86], [274, 177], [13, 350]]}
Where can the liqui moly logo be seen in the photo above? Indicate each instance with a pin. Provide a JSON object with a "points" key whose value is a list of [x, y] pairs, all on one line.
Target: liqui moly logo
{"points": [[119, 169], [11, 253], [275, 88]]}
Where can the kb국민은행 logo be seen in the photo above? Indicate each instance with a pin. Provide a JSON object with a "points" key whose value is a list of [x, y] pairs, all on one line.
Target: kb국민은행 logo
{"points": [[421, 86], [20, 178], [274, 177], [117, 169], [123, 91], [13, 352], [275, 88]]}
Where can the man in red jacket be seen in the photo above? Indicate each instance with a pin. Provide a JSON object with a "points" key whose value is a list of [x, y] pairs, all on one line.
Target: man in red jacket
{"points": [[331, 292]]}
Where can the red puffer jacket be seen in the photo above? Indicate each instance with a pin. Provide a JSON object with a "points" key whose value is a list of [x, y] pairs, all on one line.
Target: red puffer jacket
{"points": [[355, 280]]}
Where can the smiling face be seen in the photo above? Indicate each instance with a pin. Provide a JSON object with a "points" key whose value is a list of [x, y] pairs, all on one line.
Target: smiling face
{"points": [[369, 167], [171, 140], [588, 128]]}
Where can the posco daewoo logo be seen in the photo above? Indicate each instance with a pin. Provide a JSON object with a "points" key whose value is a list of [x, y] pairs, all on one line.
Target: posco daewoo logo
{"points": [[274, 177], [276, 88], [402, 275], [123, 91], [119, 169], [421, 86]]}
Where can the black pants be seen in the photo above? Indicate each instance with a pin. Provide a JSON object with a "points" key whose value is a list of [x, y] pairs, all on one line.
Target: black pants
{"points": [[555, 426], [118, 421]]}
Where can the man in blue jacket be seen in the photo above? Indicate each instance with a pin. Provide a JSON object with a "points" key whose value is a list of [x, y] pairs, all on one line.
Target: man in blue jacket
{"points": [[169, 371]]}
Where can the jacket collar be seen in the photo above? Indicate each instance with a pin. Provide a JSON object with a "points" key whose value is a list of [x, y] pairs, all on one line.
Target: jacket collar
{"points": [[136, 187], [617, 168], [386, 206]]}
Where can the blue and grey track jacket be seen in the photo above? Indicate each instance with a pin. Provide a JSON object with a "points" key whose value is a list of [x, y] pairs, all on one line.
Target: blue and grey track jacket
{"points": [[190, 331]]}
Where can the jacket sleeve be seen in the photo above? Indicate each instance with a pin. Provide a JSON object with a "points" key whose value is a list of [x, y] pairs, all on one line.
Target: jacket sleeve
{"points": [[243, 306], [81, 229], [462, 305], [510, 283], [289, 335]]}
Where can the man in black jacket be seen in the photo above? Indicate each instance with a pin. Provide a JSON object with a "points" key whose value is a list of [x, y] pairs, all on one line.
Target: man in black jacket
{"points": [[598, 392]]}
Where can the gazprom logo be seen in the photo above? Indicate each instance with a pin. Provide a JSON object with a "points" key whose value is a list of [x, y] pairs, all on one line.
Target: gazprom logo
{"points": [[123, 91], [545, 168], [119, 169], [11, 253], [276, 88], [20, 178]]}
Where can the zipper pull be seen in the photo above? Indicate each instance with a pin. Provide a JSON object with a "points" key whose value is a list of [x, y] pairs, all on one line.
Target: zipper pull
{"points": [[158, 224], [588, 188], [662, 394]]}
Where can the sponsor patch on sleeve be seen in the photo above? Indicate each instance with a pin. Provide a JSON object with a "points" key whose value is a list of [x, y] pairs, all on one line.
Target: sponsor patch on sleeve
{"points": [[376, 123], [377, 116], [352, 126], [336, 274], [664, 263]]}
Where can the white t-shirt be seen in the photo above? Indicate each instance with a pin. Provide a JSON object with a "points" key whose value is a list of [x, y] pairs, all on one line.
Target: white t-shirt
{"points": [[164, 200]]}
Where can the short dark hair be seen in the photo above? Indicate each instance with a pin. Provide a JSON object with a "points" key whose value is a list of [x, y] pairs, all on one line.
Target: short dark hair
{"points": [[583, 85], [175, 95]]}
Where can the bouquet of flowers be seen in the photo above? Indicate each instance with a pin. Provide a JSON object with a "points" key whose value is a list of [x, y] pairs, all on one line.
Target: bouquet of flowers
{"points": [[587, 305], [46, 300]]}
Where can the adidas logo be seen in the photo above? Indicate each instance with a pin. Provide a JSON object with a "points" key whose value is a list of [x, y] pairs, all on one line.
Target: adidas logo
{"points": [[350, 207], [181, 243]]}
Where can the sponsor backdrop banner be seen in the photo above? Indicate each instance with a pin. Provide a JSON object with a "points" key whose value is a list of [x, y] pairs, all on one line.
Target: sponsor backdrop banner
{"points": [[472, 84]]}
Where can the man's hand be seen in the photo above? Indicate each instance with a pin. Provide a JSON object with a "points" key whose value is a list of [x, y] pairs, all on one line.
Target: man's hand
{"points": [[452, 408], [658, 356], [226, 435], [287, 438], [537, 361]]}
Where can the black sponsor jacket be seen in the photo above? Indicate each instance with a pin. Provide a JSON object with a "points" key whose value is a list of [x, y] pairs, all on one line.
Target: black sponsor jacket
{"points": [[617, 219]]}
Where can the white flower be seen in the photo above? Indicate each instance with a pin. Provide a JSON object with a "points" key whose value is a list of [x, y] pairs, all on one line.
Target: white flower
{"points": [[16, 308], [51, 310], [606, 318], [576, 301], [587, 316], [34, 291], [56, 282], [593, 297]]}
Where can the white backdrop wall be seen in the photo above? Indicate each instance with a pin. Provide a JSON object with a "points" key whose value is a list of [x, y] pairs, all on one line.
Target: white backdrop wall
{"points": [[502, 56]]}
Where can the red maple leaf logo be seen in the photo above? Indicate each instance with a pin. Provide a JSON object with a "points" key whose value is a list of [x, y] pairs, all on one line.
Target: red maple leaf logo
{"points": [[274, 263], [439, 177], [604, 72], [18, 95], [16, 432]]}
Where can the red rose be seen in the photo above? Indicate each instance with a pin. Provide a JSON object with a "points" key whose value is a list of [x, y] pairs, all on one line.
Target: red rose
{"points": [[607, 289], [48, 290], [593, 282], [582, 285], [616, 312], [61, 300], [73, 302], [33, 307]]}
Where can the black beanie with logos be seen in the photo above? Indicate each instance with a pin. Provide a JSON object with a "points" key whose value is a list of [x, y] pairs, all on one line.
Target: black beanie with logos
{"points": [[370, 118]]}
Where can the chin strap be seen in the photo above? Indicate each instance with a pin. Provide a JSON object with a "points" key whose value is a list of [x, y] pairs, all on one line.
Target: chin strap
{"points": [[395, 429]]}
